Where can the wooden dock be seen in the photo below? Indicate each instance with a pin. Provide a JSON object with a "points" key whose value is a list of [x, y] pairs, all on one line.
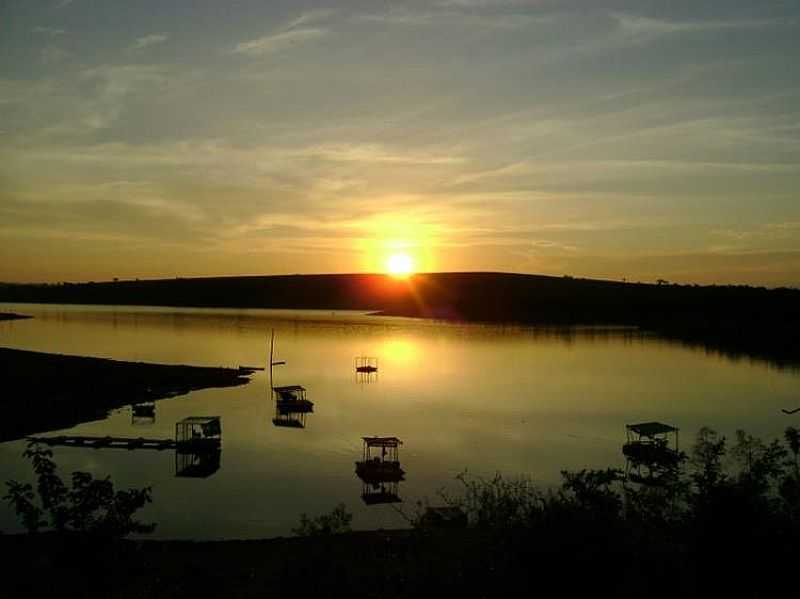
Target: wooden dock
{"points": [[107, 442]]}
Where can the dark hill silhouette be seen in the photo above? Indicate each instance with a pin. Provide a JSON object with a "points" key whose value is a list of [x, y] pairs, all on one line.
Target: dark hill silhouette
{"points": [[736, 319]]}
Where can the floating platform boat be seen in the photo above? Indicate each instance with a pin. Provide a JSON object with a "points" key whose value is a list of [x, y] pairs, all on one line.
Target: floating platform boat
{"points": [[292, 398], [651, 452], [382, 468], [198, 432], [380, 474], [366, 364]]}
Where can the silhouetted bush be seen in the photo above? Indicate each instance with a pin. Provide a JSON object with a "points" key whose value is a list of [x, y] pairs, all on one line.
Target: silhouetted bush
{"points": [[725, 507], [89, 505], [338, 521]]}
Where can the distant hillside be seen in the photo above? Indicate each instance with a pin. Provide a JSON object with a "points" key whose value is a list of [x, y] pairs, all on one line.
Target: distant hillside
{"points": [[736, 316]]}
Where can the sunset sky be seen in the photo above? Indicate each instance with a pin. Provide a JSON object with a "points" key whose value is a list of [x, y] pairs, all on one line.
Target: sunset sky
{"points": [[603, 138]]}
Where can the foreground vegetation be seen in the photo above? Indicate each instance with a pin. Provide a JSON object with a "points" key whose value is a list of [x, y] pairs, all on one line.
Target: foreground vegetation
{"points": [[726, 523], [89, 506]]}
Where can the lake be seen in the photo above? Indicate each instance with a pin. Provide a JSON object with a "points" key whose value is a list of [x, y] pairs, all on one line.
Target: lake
{"points": [[520, 400]]}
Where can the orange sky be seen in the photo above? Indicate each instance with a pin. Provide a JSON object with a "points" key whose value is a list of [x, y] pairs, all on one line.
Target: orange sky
{"points": [[601, 139]]}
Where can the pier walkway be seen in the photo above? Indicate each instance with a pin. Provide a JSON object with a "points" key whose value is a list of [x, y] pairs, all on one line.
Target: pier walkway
{"points": [[107, 442]]}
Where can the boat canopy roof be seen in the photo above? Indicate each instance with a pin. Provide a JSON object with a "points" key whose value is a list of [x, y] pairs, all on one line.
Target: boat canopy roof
{"points": [[382, 441], [289, 388], [199, 420], [650, 429]]}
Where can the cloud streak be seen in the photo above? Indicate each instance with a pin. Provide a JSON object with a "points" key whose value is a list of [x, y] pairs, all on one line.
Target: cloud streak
{"points": [[284, 40], [146, 41], [296, 32], [49, 30]]}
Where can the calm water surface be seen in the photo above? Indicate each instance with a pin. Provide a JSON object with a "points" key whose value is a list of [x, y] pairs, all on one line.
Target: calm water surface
{"points": [[523, 401]]}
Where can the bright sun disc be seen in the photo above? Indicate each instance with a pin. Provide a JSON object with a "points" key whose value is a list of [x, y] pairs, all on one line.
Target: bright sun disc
{"points": [[400, 265]]}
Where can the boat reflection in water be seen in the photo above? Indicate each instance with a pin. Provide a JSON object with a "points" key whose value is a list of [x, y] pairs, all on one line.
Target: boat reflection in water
{"points": [[381, 474], [197, 463], [143, 413], [290, 416]]}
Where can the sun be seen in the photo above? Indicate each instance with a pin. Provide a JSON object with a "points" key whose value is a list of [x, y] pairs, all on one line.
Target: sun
{"points": [[400, 265]]}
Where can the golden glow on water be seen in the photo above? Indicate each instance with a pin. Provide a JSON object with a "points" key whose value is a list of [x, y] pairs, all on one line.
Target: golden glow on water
{"points": [[400, 351]]}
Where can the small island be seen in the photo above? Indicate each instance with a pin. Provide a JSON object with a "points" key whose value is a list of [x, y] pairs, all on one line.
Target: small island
{"points": [[13, 316], [46, 392]]}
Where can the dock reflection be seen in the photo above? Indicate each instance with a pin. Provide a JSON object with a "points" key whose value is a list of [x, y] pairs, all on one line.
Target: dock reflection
{"points": [[197, 445]]}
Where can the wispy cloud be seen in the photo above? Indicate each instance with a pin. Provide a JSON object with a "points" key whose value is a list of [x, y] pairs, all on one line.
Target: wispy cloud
{"points": [[48, 30], [374, 153], [53, 54], [641, 29], [448, 16], [510, 130], [279, 41], [295, 33], [483, 3], [149, 40], [308, 17]]}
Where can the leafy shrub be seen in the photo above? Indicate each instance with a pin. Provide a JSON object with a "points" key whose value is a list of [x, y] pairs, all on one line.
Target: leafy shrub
{"points": [[497, 502], [338, 521], [764, 482], [89, 505]]}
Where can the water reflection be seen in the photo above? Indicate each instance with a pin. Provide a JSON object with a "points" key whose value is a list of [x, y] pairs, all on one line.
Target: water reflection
{"points": [[521, 400], [366, 378], [197, 462], [197, 445], [400, 350], [292, 414], [143, 413]]}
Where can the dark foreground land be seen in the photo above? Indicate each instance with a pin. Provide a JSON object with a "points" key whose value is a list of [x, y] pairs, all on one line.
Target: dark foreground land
{"points": [[43, 392], [457, 563], [755, 322], [372, 564]]}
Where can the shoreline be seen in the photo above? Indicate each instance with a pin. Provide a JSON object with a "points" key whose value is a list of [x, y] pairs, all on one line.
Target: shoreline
{"points": [[46, 392], [733, 320], [13, 316]]}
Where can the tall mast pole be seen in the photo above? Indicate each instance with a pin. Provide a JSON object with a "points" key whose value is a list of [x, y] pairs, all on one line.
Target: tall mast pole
{"points": [[271, 360]]}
